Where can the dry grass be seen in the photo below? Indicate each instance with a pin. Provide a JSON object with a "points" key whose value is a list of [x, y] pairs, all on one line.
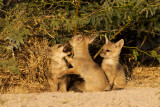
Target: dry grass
{"points": [[145, 77], [34, 69]]}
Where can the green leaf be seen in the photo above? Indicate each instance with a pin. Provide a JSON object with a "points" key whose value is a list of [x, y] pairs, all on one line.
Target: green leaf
{"points": [[135, 54], [158, 58], [153, 53], [93, 20]]}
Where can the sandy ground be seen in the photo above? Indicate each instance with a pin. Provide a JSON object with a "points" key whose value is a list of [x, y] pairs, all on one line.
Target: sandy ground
{"points": [[142, 91], [135, 97]]}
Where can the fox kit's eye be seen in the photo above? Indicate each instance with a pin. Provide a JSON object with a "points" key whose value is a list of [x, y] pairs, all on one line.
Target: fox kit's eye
{"points": [[59, 46], [108, 50]]}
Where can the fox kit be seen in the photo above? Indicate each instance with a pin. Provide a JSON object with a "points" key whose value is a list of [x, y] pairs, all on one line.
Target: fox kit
{"points": [[94, 77], [111, 65], [58, 64]]}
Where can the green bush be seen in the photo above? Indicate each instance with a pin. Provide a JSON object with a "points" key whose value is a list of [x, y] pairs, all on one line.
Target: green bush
{"points": [[55, 20]]}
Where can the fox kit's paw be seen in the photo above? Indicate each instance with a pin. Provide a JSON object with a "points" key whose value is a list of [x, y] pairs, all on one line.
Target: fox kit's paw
{"points": [[117, 86], [108, 88]]}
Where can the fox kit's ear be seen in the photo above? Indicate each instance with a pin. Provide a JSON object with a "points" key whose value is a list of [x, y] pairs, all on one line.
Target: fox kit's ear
{"points": [[120, 43], [79, 38], [49, 49], [91, 39], [106, 39]]}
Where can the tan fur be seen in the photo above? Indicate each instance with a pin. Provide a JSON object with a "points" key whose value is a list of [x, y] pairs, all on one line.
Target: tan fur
{"points": [[94, 77], [111, 65], [58, 65]]}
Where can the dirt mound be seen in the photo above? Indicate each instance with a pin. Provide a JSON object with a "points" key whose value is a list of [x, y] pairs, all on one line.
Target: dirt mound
{"points": [[145, 77]]}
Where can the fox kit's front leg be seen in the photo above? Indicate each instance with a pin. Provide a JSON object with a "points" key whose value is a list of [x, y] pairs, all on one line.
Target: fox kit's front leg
{"points": [[63, 84], [69, 60], [68, 71]]}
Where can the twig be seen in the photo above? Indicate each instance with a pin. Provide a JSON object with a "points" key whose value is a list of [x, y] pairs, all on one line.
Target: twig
{"points": [[77, 9], [119, 31], [147, 31], [92, 13], [2, 10], [138, 50], [47, 32], [98, 52]]}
